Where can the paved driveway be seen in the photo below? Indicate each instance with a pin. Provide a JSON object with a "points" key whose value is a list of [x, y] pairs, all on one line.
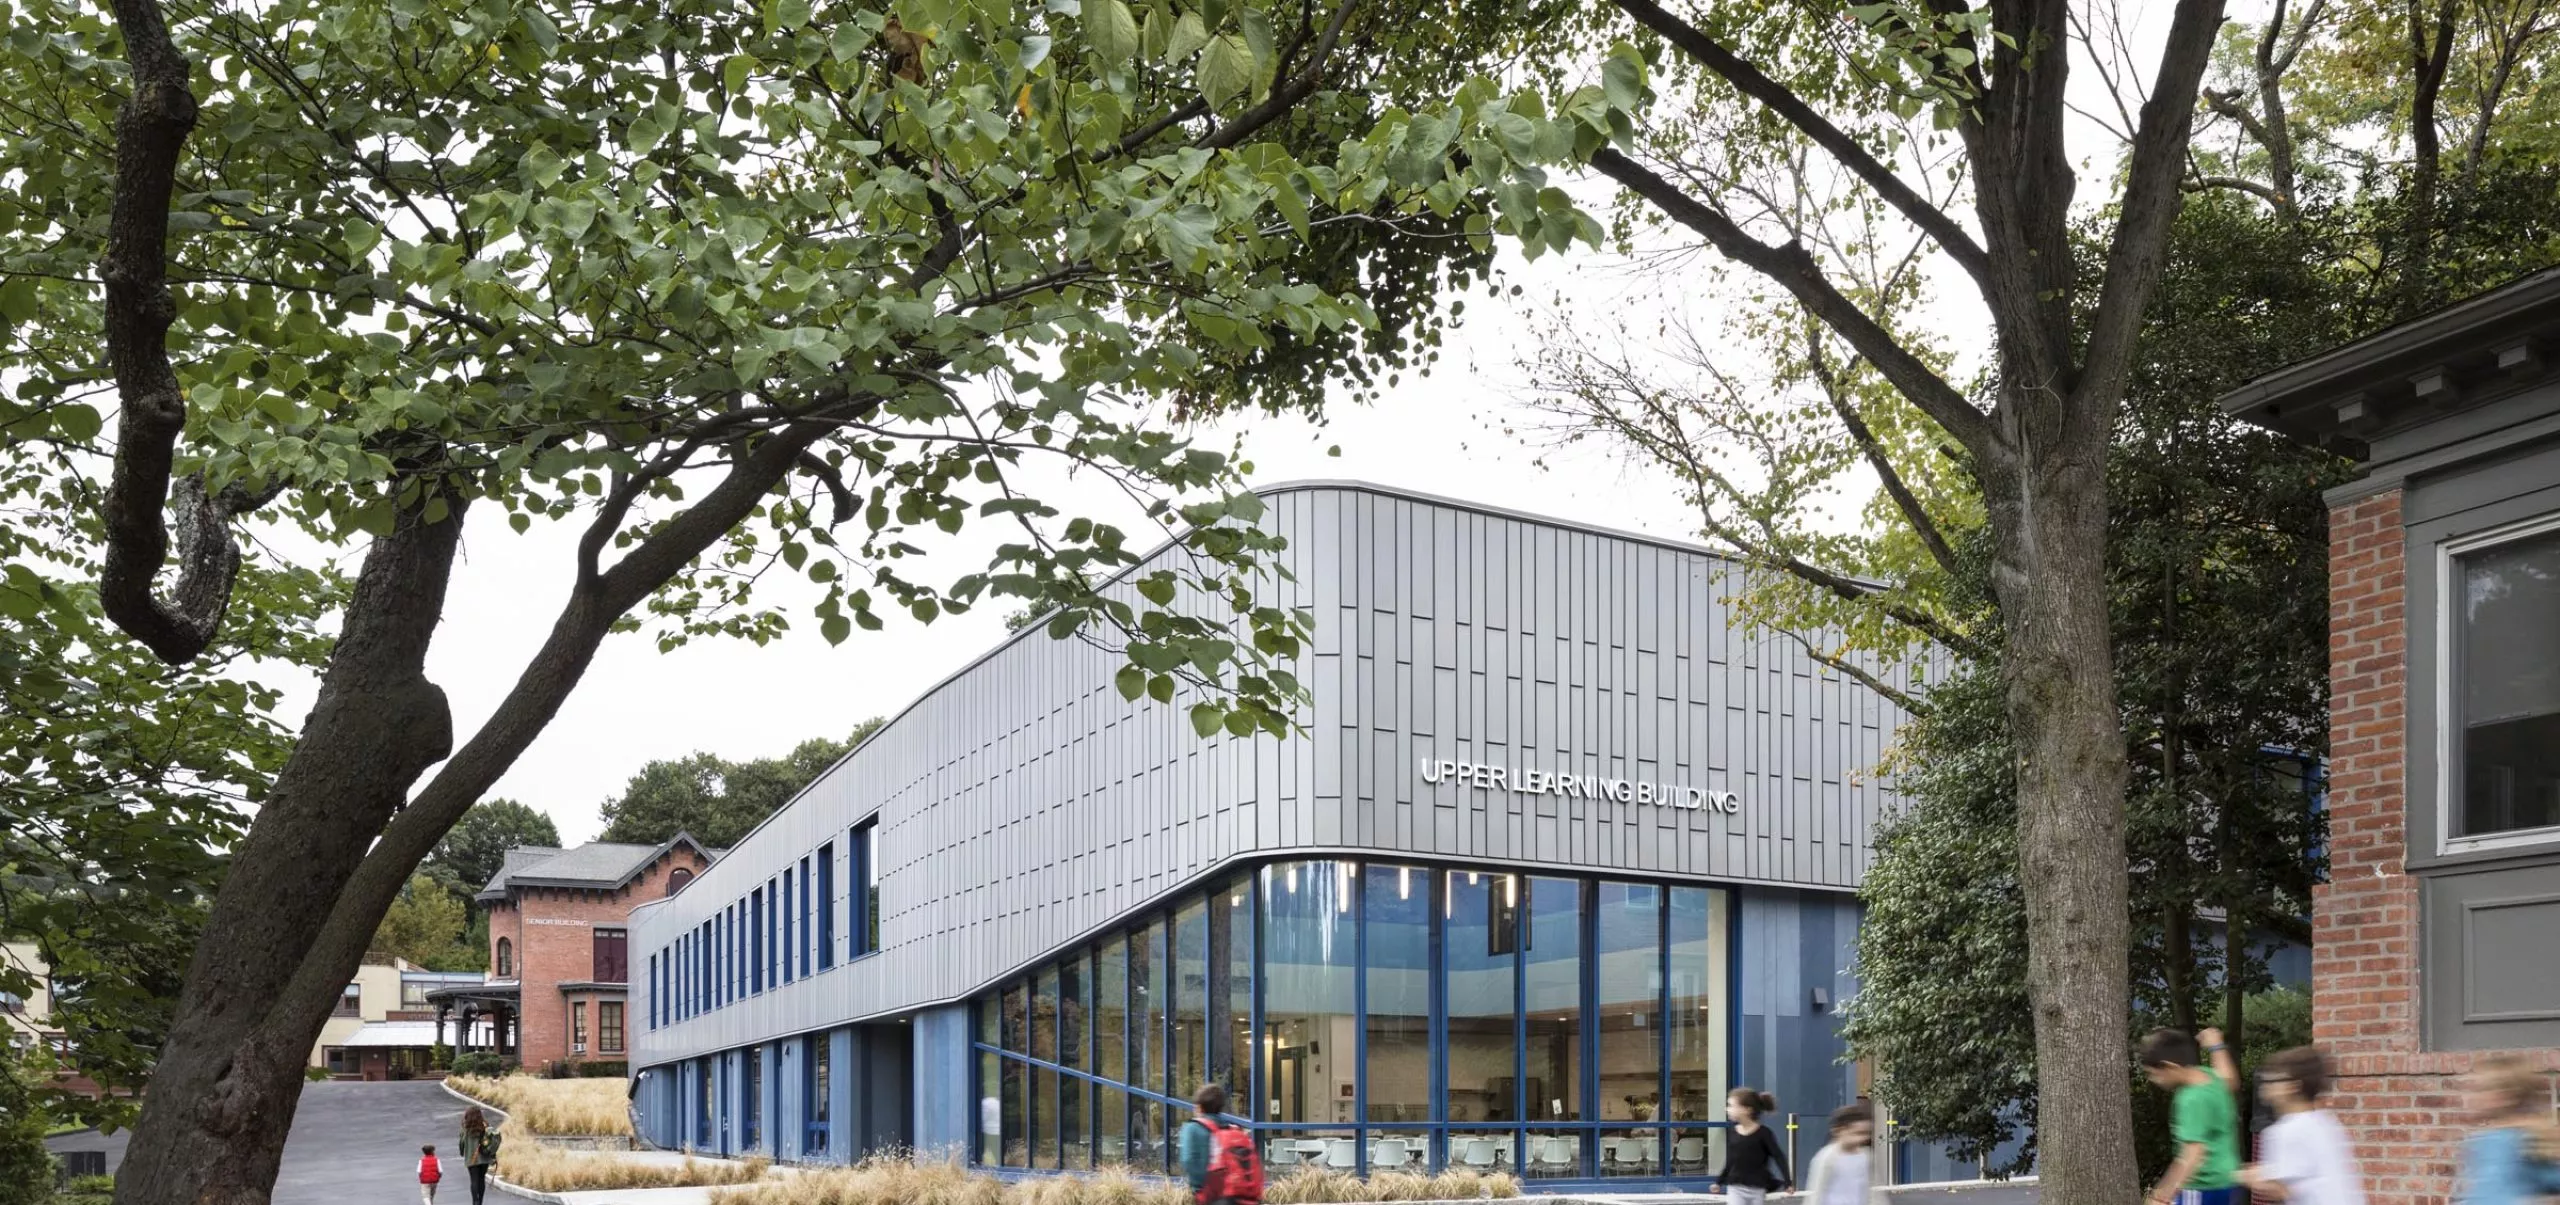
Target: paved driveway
{"points": [[357, 1144]]}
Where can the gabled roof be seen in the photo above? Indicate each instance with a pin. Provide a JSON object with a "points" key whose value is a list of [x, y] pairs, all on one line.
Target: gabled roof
{"points": [[596, 865]]}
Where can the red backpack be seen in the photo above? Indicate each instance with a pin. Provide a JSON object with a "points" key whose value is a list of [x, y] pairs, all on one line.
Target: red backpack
{"points": [[1235, 1167]]}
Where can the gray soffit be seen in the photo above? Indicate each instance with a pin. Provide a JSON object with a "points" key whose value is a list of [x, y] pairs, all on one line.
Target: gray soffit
{"points": [[2410, 373]]}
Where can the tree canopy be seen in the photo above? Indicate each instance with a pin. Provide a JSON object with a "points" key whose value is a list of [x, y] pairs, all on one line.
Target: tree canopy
{"points": [[718, 800], [477, 846], [736, 291]]}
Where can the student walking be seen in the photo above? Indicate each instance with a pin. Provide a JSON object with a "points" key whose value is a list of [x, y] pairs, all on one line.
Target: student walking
{"points": [[2203, 1118], [428, 1174], [2304, 1158], [2514, 1159], [479, 1151], [1220, 1160], [1754, 1163], [1842, 1169]]}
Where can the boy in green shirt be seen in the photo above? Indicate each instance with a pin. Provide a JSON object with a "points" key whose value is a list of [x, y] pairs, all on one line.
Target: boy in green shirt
{"points": [[2203, 1118]]}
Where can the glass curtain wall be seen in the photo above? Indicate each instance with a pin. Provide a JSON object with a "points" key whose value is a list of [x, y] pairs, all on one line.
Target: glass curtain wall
{"points": [[1368, 1016]]}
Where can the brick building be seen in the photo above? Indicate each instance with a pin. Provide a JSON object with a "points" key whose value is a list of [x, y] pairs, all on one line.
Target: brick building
{"points": [[559, 948], [2437, 937]]}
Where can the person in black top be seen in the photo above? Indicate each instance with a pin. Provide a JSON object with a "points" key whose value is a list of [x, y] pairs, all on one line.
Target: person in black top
{"points": [[1754, 1164]]}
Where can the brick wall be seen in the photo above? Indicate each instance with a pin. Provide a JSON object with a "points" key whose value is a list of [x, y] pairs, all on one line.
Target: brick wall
{"points": [[554, 933], [2402, 1104]]}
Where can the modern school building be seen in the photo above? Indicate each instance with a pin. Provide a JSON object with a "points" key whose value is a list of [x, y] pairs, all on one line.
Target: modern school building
{"points": [[1562, 855]]}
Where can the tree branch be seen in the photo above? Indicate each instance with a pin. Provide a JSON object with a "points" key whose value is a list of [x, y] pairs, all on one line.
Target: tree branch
{"points": [[1286, 94], [1792, 267], [2239, 184], [152, 128], [1862, 435], [1891, 693], [1778, 98], [2151, 198]]}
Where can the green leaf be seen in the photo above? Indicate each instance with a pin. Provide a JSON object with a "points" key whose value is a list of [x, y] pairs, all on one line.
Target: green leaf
{"points": [[1207, 718], [1160, 688], [1112, 32], [1035, 51], [835, 628], [362, 237], [1285, 198], [782, 16], [1189, 35], [1226, 70], [78, 422], [18, 298], [1622, 77], [735, 71], [1131, 681]]}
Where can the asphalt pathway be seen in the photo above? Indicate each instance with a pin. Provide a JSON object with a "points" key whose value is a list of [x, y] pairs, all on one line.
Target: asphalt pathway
{"points": [[357, 1144]]}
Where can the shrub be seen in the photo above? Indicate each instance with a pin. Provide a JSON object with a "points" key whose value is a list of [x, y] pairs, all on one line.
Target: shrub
{"points": [[548, 1106], [87, 1190], [612, 1070], [440, 1056], [314, 1075], [483, 1062]]}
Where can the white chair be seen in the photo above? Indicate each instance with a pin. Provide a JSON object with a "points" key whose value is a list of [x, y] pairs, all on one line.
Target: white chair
{"points": [[1480, 1154], [1625, 1156], [1689, 1153], [1282, 1155], [1386, 1155], [1342, 1154], [1552, 1156]]}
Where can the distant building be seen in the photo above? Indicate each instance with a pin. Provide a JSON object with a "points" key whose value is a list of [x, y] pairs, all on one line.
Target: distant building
{"points": [[383, 1025], [559, 948], [28, 1019], [2437, 937]]}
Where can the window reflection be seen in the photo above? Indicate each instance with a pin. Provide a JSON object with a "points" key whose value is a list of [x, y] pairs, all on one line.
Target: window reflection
{"points": [[2509, 671], [1398, 919], [1583, 1019]]}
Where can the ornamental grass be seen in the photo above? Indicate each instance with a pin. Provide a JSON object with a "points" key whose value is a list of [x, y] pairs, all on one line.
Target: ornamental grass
{"points": [[554, 1106], [526, 1163]]}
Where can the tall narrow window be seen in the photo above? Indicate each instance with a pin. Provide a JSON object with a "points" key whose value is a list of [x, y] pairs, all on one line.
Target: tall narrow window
{"points": [[2506, 744], [865, 897], [826, 905], [751, 1097], [612, 955], [506, 959], [804, 917], [1397, 913], [609, 1026], [653, 994], [577, 1027], [787, 930], [755, 940], [1310, 965], [814, 1106], [772, 952]]}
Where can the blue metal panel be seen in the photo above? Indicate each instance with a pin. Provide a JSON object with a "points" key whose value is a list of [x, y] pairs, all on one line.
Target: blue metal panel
{"points": [[843, 1129], [945, 1114]]}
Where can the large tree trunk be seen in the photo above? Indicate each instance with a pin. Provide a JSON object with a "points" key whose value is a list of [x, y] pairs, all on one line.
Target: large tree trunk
{"points": [[2049, 519], [223, 1095]]}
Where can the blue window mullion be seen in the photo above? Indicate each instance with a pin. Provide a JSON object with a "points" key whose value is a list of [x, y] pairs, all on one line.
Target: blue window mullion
{"points": [[1522, 918], [1439, 979], [1360, 1011], [1591, 955]]}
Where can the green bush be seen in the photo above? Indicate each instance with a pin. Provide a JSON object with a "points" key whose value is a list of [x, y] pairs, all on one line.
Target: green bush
{"points": [[482, 1062], [612, 1070], [315, 1074], [440, 1056], [87, 1190], [26, 1168]]}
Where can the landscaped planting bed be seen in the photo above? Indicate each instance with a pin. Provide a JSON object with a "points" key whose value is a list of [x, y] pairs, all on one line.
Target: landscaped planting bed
{"points": [[554, 1106], [908, 1182]]}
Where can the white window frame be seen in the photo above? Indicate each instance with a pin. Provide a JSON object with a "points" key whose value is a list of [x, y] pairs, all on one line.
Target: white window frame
{"points": [[2448, 717]]}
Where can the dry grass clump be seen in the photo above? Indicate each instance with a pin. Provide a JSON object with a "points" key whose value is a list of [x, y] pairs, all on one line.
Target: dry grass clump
{"points": [[900, 1181], [552, 1169], [554, 1106], [1314, 1185]]}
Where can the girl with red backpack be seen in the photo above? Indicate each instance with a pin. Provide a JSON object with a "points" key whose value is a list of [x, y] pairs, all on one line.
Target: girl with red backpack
{"points": [[1219, 1160]]}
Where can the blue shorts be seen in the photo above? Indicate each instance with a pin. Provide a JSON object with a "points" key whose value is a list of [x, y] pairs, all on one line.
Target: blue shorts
{"points": [[2234, 1195]]}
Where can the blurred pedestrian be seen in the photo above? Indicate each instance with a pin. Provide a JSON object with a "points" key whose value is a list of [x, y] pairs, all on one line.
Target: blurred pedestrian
{"points": [[1220, 1160], [1754, 1163], [2304, 1158], [1842, 1168], [2204, 1119], [2514, 1158]]}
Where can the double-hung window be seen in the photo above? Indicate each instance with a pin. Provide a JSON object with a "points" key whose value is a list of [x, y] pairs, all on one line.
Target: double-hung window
{"points": [[2502, 629]]}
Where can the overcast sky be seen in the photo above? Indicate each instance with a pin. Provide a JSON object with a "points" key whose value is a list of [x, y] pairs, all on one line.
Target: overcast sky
{"points": [[1453, 433]]}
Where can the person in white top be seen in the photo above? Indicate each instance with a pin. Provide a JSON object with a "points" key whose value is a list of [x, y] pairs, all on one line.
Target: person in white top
{"points": [[1840, 1170], [2304, 1158]]}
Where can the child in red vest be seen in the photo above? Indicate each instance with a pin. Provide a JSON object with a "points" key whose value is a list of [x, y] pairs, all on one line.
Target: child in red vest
{"points": [[429, 1172]]}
